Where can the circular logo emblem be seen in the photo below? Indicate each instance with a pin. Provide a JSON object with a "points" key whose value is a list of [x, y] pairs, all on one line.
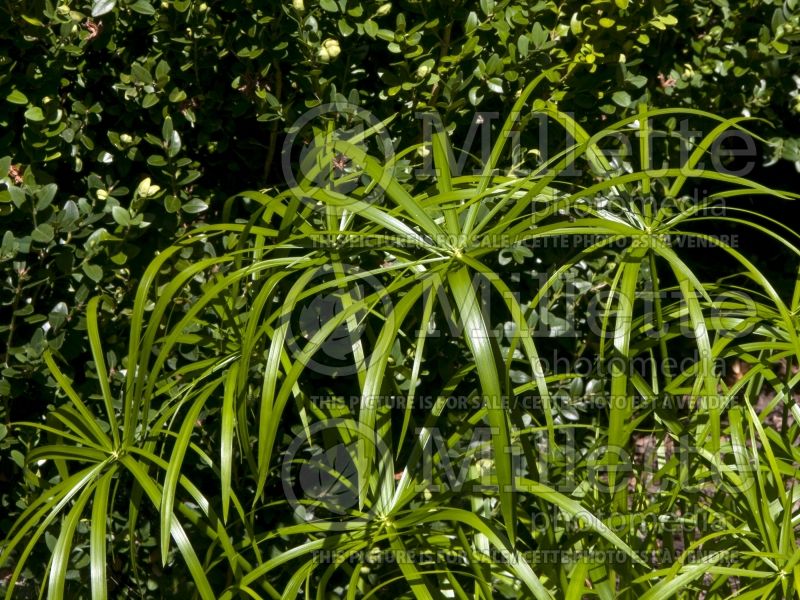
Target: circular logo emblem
{"points": [[320, 476], [336, 350], [324, 148]]}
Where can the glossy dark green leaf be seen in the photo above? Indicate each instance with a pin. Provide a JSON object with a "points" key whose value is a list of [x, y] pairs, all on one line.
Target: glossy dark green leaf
{"points": [[101, 7], [495, 84], [194, 206], [149, 100], [121, 216], [143, 7], [622, 98], [172, 203], [93, 272], [17, 97], [34, 114], [371, 28], [174, 144], [43, 233], [45, 195]]}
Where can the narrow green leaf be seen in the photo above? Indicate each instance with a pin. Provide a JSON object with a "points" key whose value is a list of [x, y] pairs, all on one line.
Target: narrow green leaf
{"points": [[478, 337], [174, 469], [178, 533], [228, 426], [97, 547], [61, 553]]}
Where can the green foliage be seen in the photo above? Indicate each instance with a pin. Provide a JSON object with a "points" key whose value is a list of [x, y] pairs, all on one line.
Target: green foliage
{"points": [[128, 123], [196, 98], [208, 440]]}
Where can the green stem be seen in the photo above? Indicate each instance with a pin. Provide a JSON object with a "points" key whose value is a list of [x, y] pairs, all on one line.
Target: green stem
{"points": [[662, 341]]}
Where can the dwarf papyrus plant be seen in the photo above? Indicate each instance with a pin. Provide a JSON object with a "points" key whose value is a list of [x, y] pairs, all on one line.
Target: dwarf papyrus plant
{"points": [[286, 405]]}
